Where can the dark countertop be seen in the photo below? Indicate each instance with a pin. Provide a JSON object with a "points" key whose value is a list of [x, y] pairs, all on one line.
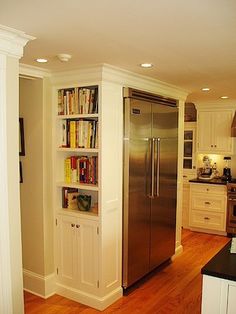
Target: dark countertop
{"points": [[222, 265], [212, 181]]}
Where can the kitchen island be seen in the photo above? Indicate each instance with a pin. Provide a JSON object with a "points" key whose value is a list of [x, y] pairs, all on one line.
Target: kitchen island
{"points": [[219, 283]]}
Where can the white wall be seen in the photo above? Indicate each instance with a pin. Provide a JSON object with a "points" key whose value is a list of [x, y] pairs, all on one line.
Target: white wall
{"points": [[31, 190], [36, 192]]}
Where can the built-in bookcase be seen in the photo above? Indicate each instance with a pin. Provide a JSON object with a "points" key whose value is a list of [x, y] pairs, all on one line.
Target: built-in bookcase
{"points": [[77, 150]]}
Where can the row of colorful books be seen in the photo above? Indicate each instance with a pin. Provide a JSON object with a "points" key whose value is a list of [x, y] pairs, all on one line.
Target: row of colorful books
{"points": [[82, 169], [78, 101], [79, 133]]}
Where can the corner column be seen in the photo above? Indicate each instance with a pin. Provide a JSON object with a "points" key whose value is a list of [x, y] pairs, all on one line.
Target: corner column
{"points": [[11, 284]]}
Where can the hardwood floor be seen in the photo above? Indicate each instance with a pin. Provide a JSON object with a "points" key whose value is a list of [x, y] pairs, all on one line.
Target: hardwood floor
{"points": [[175, 288]]}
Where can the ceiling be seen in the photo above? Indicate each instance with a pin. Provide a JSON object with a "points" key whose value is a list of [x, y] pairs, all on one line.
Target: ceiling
{"points": [[192, 44]]}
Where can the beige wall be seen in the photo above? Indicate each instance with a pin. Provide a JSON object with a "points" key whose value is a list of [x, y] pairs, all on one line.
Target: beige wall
{"points": [[31, 190]]}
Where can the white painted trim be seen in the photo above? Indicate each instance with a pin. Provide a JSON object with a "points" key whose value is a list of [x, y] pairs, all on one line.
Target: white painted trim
{"points": [[217, 105], [210, 231], [109, 73], [12, 41], [89, 299], [33, 71], [178, 251], [5, 264], [43, 286]]}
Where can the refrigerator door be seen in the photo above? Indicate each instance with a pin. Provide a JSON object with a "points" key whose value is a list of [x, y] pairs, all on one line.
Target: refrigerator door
{"points": [[137, 185], [163, 205]]}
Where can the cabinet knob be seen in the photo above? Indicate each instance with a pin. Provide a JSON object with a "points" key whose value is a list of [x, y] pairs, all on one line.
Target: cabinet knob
{"points": [[207, 203], [211, 145], [207, 189], [72, 225], [215, 146], [206, 218], [77, 226]]}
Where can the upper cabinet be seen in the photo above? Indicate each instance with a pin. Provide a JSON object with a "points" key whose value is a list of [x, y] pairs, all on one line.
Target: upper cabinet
{"points": [[189, 146], [214, 131]]}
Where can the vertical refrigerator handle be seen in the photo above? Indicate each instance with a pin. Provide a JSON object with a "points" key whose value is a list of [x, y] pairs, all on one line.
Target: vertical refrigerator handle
{"points": [[157, 187], [152, 149]]}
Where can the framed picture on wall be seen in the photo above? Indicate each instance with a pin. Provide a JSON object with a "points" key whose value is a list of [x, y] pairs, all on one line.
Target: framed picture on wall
{"points": [[21, 173], [21, 137]]}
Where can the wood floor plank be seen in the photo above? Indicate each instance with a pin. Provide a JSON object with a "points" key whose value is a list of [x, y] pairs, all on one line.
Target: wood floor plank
{"points": [[175, 288]]}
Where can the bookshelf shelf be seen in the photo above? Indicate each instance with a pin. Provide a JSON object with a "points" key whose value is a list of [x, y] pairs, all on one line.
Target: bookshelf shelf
{"points": [[81, 186], [78, 150], [78, 116], [80, 214]]}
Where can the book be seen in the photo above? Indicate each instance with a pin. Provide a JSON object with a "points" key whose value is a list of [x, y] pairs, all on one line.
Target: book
{"points": [[67, 170], [63, 141], [65, 192], [72, 200], [72, 133]]}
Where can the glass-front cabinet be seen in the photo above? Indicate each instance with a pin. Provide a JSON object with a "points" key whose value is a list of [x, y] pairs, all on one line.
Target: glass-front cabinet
{"points": [[189, 146]]}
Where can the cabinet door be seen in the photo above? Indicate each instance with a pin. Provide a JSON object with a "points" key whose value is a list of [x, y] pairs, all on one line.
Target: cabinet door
{"points": [[88, 255], [231, 309], [222, 131], [67, 251], [204, 130]]}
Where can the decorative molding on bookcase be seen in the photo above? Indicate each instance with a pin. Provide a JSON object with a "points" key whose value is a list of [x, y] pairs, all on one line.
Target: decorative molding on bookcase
{"points": [[43, 286], [12, 41], [105, 72], [31, 72]]}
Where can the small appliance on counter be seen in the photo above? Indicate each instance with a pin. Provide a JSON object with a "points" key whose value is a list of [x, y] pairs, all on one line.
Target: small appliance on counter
{"points": [[226, 170], [206, 173]]}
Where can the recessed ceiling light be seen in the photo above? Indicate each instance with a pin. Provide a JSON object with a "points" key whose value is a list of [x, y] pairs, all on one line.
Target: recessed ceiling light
{"points": [[41, 60], [224, 97], [205, 89], [146, 65]]}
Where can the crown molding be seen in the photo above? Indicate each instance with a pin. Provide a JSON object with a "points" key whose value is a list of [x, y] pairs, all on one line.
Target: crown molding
{"points": [[33, 71], [13, 41]]}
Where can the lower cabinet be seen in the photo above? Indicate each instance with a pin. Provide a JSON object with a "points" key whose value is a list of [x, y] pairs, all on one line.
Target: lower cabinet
{"points": [[186, 196], [208, 207], [218, 296], [77, 253]]}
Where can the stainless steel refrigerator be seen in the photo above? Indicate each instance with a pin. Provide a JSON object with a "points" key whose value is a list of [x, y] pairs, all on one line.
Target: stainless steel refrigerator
{"points": [[150, 182]]}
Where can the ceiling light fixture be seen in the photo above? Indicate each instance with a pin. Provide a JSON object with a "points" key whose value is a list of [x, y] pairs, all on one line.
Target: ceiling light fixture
{"points": [[205, 89], [146, 65], [64, 57], [41, 60], [224, 97]]}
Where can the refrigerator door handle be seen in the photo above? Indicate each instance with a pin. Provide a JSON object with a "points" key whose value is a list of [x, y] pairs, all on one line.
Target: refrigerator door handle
{"points": [[157, 141], [152, 148]]}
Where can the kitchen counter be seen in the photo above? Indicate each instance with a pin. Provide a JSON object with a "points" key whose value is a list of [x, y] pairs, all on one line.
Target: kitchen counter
{"points": [[212, 181], [222, 265]]}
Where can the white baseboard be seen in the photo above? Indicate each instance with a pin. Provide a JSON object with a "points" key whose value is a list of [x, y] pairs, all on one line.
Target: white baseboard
{"points": [[178, 251], [99, 303], [42, 286]]}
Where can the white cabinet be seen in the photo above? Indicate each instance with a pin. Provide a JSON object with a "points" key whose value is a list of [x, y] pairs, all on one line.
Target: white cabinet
{"points": [[78, 261], [218, 296], [189, 168], [87, 162], [214, 131], [189, 162], [208, 207], [186, 197]]}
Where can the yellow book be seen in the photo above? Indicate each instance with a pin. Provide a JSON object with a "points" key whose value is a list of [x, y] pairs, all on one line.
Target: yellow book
{"points": [[67, 170], [73, 134]]}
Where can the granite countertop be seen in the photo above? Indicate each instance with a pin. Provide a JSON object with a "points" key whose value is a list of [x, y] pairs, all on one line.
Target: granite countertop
{"points": [[222, 265], [212, 181]]}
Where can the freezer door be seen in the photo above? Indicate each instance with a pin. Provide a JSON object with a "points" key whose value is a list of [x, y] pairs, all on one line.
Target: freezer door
{"points": [[163, 205], [136, 215]]}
